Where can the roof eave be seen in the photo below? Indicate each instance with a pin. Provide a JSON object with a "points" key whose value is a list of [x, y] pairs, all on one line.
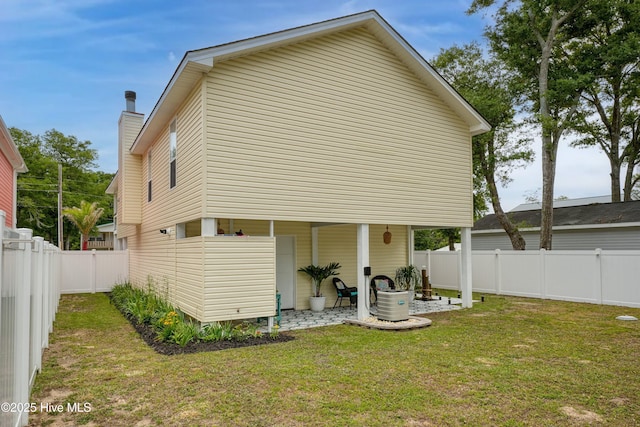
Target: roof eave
{"points": [[113, 185], [10, 150], [196, 63]]}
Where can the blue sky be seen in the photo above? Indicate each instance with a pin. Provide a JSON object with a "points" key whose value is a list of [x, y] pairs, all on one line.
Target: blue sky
{"points": [[65, 64]]}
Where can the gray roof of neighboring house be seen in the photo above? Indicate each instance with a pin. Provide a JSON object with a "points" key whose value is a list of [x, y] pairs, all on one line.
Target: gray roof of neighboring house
{"points": [[593, 214], [563, 203]]}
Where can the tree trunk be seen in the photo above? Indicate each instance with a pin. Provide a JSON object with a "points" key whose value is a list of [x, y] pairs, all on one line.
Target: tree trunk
{"points": [[488, 167], [615, 181], [632, 159], [517, 241], [548, 180], [548, 149], [452, 242]]}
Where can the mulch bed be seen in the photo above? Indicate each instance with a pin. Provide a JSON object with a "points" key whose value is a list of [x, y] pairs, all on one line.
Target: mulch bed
{"points": [[149, 336]]}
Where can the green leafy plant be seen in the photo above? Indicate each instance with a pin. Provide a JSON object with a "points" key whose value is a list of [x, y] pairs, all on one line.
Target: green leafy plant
{"points": [[318, 274], [184, 332], [217, 331], [171, 325], [407, 278], [84, 218]]}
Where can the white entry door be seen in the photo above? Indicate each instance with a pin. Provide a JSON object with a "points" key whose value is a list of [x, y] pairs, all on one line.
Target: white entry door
{"points": [[286, 270]]}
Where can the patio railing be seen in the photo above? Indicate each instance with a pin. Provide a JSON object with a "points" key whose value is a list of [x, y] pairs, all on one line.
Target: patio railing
{"points": [[29, 295]]}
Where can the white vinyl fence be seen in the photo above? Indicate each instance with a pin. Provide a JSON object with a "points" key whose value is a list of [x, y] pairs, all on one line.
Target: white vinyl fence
{"points": [[29, 295], [92, 271], [597, 276]]}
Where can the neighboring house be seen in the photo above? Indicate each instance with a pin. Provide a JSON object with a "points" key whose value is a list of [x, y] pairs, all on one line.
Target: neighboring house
{"points": [[104, 239], [311, 141], [11, 163], [575, 227]]}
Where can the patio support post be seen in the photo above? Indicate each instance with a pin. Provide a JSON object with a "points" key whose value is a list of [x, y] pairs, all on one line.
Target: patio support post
{"points": [[314, 245], [208, 227], [410, 244], [466, 284], [363, 261]]}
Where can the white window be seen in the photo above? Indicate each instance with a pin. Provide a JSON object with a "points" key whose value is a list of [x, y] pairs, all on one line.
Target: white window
{"points": [[149, 186], [173, 152]]}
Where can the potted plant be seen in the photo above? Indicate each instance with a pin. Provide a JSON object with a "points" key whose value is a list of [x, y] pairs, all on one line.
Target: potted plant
{"points": [[318, 274], [407, 278]]}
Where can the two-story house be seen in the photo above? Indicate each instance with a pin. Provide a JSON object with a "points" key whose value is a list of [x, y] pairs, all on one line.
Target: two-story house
{"points": [[302, 146]]}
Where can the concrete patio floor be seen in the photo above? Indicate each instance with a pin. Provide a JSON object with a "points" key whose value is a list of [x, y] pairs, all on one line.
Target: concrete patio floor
{"points": [[304, 319]]}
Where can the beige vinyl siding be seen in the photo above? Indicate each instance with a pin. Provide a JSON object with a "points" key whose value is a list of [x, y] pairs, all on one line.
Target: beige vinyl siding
{"points": [[190, 273], [230, 295], [334, 128], [129, 170], [339, 244], [302, 233], [152, 261], [154, 256], [385, 259], [183, 202]]}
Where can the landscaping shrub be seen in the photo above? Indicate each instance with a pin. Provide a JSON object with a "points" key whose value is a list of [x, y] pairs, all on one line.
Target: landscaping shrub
{"points": [[148, 308]]}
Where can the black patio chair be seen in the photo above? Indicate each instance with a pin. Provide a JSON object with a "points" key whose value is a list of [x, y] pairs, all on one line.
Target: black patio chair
{"points": [[380, 283], [345, 291]]}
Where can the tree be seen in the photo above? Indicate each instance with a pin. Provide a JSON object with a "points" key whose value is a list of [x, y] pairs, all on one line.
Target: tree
{"points": [[493, 92], [610, 112], [84, 218], [533, 38], [429, 239], [37, 197]]}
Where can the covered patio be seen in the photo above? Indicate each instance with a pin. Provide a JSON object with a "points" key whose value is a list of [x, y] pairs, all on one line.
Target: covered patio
{"points": [[304, 319]]}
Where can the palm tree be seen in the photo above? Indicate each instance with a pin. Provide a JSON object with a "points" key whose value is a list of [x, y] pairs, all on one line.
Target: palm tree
{"points": [[84, 218]]}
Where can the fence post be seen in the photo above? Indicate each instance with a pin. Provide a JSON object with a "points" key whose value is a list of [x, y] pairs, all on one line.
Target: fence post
{"points": [[23, 317], [497, 265], [543, 274], [93, 271], [46, 300], [598, 289], [37, 309]]}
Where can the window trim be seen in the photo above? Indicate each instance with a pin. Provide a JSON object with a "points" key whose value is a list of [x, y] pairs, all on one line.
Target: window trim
{"points": [[149, 178], [173, 154]]}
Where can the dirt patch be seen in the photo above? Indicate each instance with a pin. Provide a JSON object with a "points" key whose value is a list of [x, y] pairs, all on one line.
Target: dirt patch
{"points": [[149, 336], [581, 414], [619, 401]]}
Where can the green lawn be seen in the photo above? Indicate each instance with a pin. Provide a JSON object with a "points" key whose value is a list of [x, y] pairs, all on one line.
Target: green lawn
{"points": [[508, 361]]}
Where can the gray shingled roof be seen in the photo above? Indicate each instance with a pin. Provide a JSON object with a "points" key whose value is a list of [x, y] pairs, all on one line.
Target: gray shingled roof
{"points": [[598, 213]]}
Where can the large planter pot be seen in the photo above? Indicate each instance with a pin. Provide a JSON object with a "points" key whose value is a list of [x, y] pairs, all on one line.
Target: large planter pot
{"points": [[317, 303]]}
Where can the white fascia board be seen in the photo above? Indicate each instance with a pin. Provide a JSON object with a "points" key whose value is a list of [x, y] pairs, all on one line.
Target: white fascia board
{"points": [[207, 57], [113, 185], [150, 128], [477, 123], [10, 150], [293, 35]]}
